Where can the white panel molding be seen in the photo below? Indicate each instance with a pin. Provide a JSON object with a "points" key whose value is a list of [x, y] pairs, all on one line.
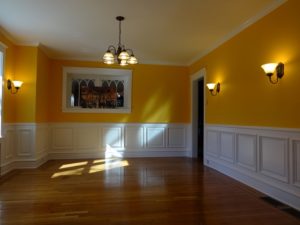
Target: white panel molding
{"points": [[227, 146], [176, 137], [86, 138], [42, 139], [273, 157], [24, 142], [9, 144], [113, 136], [62, 138], [155, 136], [295, 158], [212, 142], [267, 159], [134, 137], [246, 151]]}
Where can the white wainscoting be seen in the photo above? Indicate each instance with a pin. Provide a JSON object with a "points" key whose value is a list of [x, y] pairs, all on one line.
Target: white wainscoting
{"points": [[77, 140], [268, 159], [29, 145], [24, 145]]}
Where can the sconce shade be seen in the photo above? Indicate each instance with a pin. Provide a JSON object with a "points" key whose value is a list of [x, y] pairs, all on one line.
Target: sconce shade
{"points": [[214, 88], [269, 68], [211, 86], [274, 68], [17, 83]]}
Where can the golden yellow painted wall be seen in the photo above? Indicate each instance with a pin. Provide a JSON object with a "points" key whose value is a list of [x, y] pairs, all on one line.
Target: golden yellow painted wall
{"points": [[247, 97], [26, 70], [42, 87], [159, 94], [8, 99]]}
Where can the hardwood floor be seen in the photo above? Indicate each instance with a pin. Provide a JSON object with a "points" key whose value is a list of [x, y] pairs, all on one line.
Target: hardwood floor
{"points": [[140, 191]]}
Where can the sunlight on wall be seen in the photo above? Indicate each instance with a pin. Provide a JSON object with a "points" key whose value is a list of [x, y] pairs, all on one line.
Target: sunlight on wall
{"points": [[112, 153]]}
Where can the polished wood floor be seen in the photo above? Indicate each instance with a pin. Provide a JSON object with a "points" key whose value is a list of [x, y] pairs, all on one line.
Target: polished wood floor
{"points": [[156, 191]]}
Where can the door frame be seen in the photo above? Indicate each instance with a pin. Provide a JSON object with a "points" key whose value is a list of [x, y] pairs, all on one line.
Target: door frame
{"points": [[201, 74]]}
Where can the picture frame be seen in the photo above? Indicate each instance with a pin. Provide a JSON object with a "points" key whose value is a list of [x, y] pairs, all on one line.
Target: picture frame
{"points": [[96, 90]]}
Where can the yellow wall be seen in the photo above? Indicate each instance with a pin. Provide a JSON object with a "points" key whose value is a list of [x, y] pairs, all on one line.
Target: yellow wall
{"points": [[159, 95], [247, 97], [26, 70], [42, 87], [8, 99]]}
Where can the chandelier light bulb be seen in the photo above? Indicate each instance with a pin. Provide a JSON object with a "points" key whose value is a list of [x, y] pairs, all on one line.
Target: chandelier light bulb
{"points": [[109, 61], [123, 62], [108, 56], [124, 55], [132, 60]]}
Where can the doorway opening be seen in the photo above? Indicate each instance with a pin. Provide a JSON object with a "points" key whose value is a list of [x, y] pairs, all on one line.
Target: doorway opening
{"points": [[198, 114]]}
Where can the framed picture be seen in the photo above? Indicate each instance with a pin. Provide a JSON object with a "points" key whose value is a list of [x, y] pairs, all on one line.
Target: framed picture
{"points": [[96, 90]]}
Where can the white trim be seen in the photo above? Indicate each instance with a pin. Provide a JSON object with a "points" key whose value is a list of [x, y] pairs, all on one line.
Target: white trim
{"points": [[237, 30], [23, 164], [2, 76]]}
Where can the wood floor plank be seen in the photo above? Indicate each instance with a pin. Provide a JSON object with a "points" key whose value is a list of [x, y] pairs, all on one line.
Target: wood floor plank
{"points": [[140, 191]]}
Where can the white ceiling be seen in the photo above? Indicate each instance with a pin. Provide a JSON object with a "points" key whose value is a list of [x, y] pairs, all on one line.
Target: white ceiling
{"points": [[174, 32]]}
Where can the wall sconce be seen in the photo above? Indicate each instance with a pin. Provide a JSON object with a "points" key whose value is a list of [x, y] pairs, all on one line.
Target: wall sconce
{"points": [[214, 88], [15, 84], [270, 68]]}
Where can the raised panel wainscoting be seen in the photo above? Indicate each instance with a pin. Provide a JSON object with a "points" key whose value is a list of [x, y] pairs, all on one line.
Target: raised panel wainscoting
{"points": [[77, 140], [267, 159], [24, 145], [29, 145]]}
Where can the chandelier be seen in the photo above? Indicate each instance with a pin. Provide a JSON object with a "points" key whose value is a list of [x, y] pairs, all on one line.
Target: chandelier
{"points": [[120, 54]]}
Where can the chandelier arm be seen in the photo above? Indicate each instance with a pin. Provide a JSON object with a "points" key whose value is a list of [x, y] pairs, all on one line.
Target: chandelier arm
{"points": [[129, 51], [112, 49]]}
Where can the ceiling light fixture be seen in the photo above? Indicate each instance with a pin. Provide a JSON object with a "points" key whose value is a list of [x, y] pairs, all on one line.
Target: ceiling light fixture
{"points": [[120, 55]]}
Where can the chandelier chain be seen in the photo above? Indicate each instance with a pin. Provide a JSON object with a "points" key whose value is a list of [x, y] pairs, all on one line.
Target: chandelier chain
{"points": [[120, 33]]}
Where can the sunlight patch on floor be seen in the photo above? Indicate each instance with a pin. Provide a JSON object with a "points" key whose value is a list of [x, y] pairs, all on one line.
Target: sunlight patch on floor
{"points": [[108, 166], [73, 172], [69, 165], [113, 159]]}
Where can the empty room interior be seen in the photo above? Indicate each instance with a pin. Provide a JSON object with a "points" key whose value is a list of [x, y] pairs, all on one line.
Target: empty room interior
{"points": [[150, 112]]}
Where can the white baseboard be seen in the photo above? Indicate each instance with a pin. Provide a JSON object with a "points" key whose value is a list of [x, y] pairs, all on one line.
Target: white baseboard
{"points": [[23, 164]]}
